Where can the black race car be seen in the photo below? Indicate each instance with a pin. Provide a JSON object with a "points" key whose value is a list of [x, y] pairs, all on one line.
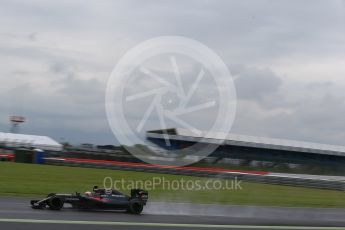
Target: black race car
{"points": [[98, 199]]}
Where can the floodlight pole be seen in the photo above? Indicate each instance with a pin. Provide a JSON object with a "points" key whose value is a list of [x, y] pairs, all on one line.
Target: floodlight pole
{"points": [[15, 121]]}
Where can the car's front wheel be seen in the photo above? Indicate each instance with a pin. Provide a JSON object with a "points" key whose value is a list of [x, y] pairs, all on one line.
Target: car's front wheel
{"points": [[55, 203], [51, 194]]}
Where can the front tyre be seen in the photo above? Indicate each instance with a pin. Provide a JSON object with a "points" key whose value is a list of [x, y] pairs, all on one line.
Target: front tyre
{"points": [[135, 206], [55, 203], [51, 194]]}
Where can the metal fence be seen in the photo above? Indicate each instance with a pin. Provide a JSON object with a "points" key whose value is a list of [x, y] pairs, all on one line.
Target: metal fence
{"points": [[321, 182]]}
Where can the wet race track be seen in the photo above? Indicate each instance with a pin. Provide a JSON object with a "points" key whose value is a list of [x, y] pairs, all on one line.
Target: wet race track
{"points": [[15, 213]]}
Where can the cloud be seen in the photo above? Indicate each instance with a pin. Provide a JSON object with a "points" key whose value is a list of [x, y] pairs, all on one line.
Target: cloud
{"points": [[287, 58], [255, 84]]}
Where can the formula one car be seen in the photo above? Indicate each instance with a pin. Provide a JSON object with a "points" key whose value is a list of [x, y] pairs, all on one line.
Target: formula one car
{"points": [[99, 199]]}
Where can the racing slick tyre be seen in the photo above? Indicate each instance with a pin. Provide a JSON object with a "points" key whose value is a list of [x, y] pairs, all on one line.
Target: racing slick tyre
{"points": [[135, 206], [51, 194], [55, 203]]}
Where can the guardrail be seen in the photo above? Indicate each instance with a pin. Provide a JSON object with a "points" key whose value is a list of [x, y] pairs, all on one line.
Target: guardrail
{"points": [[6, 157], [311, 181]]}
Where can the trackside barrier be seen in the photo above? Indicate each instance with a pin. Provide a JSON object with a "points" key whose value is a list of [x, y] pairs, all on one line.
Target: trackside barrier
{"points": [[6, 157], [310, 181]]}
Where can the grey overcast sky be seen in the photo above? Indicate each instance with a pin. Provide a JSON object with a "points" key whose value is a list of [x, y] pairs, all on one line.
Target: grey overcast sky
{"points": [[288, 58]]}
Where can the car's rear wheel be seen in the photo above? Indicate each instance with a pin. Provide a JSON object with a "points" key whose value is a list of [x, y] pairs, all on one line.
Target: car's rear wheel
{"points": [[135, 206], [55, 203]]}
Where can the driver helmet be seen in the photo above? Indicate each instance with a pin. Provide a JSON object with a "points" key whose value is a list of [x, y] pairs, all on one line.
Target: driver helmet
{"points": [[88, 193]]}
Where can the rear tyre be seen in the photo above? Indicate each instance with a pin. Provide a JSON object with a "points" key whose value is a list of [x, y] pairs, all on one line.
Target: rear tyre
{"points": [[135, 206], [55, 203]]}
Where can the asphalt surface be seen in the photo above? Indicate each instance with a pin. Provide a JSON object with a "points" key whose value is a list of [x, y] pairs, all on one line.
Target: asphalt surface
{"points": [[15, 213]]}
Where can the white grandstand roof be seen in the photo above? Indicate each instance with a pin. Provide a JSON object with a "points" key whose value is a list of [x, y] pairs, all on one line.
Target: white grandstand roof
{"points": [[249, 141], [23, 140]]}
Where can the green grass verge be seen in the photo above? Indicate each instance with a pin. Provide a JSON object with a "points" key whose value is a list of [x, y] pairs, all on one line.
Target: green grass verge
{"points": [[38, 180]]}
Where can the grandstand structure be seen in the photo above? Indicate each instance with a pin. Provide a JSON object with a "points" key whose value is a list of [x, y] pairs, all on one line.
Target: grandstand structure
{"points": [[251, 148]]}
